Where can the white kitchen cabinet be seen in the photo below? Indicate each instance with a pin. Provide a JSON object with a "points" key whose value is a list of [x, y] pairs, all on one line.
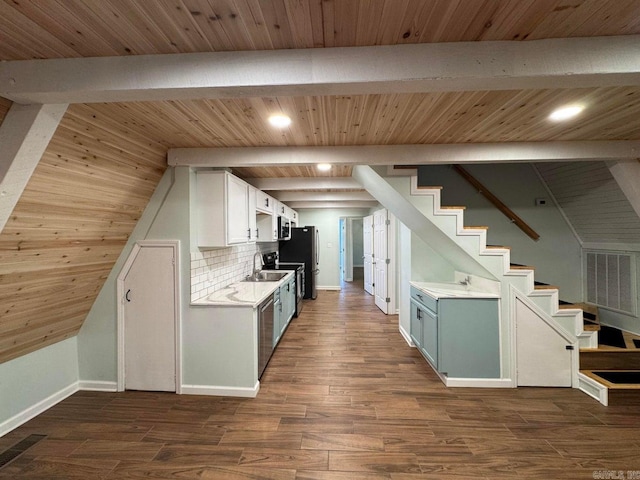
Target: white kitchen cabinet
{"points": [[253, 221], [264, 202], [222, 209]]}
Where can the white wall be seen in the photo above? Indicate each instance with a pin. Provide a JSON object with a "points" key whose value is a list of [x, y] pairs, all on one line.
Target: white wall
{"points": [[34, 382], [556, 256], [327, 221]]}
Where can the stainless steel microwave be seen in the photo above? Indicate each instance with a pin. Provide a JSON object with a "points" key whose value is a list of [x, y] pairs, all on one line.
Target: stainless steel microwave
{"points": [[283, 228]]}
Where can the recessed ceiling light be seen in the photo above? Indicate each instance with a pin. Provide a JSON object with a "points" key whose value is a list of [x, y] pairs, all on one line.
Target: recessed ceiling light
{"points": [[324, 167], [565, 113], [279, 121]]}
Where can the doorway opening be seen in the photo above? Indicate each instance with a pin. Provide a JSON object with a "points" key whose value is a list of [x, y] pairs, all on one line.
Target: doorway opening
{"points": [[351, 250]]}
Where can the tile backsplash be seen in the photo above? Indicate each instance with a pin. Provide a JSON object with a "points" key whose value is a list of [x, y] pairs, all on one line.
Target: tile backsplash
{"points": [[212, 270]]}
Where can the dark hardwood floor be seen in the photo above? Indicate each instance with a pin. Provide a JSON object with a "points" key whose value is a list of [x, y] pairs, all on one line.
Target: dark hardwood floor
{"points": [[344, 397]]}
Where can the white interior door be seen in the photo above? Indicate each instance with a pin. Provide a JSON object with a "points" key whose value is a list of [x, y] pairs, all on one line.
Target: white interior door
{"points": [[367, 249], [380, 266], [149, 321], [542, 357]]}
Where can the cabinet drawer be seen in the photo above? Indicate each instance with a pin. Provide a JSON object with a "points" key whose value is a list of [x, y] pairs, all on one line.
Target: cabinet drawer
{"points": [[426, 300]]}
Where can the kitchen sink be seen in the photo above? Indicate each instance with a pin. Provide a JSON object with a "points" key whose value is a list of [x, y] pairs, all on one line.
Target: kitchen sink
{"points": [[263, 276]]}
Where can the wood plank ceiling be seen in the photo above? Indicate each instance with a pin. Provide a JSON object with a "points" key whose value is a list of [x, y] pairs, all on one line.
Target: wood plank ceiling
{"points": [[105, 160]]}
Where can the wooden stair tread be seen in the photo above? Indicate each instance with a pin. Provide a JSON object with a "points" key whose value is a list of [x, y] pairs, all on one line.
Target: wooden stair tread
{"points": [[590, 327], [516, 266], [497, 247], [425, 187], [478, 227], [612, 386], [453, 207], [545, 287]]}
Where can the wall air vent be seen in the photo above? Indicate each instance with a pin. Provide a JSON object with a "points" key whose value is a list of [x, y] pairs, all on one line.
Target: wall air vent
{"points": [[610, 280]]}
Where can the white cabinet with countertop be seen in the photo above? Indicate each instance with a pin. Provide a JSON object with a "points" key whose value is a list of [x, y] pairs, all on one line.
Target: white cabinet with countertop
{"points": [[223, 335], [456, 329]]}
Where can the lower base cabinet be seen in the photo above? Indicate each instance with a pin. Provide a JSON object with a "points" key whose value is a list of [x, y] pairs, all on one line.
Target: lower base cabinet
{"points": [[284, 308], [459, 336]]}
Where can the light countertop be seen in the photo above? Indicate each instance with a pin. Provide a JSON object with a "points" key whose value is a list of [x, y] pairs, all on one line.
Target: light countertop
{"points": [[452, 290], [242, 294]]}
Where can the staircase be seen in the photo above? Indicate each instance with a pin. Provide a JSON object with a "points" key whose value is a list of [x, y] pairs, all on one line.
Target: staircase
{"points": [[577, 325], [613, 370]]}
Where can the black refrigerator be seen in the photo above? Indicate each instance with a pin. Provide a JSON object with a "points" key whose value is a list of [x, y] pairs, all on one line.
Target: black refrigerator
{"points": [[303, 247]]}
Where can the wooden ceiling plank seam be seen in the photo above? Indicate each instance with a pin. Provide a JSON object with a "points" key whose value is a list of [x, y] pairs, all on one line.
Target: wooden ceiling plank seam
{"points": [[101, 164], [257, 30], [26, 27], [100, 180], [90, 22], [130, 144], [177, 25], [221, 25], [299, 21], [41, 342], [149, 35], [277, 21], [22, 278], [328, 10], [24, 314], [106, 160]]}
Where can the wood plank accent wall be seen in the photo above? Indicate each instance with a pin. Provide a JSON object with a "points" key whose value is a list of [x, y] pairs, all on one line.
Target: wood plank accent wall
{"points": [[593, 202], [70, 225]]}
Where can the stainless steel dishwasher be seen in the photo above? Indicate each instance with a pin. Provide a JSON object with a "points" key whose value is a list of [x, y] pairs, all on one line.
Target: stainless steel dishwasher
{"points": [[265, 333]]}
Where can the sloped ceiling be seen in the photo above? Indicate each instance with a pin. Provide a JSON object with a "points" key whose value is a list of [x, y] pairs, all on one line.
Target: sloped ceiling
{"points": [[105, 160], [591, 199]]}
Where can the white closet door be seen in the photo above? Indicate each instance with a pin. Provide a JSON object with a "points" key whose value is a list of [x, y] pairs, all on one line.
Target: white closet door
{"points": [[380, 266], [149, 321], [367, 248]]}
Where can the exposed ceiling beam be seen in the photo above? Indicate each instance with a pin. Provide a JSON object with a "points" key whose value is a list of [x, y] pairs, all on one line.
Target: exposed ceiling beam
{"points": [[24, 135], [304, 183], [456, 66], [627, 174], [301, 205], [406, 154], [324, 196]]}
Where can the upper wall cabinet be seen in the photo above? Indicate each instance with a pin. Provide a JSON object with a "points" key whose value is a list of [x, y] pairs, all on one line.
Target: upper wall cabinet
{"points": [[223, 210], [229, 211], [264, 202]]}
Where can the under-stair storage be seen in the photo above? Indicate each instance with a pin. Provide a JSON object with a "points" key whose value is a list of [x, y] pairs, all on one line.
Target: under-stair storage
{"points": [[458, 335]]}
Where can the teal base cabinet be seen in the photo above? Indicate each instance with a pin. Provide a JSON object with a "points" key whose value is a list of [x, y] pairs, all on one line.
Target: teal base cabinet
{"points": [[285, 307], [459, 336]]}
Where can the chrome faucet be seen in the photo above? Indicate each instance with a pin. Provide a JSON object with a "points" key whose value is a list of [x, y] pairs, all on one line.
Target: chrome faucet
{"points": [[466, 281], [256, 271]]}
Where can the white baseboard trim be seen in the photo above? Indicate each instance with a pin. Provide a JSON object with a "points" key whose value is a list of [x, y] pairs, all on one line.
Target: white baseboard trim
{"points": [[406, 336], [328, 287], [218, 391], [35, 410], [593, 389], [97, 386], [479, 382]]}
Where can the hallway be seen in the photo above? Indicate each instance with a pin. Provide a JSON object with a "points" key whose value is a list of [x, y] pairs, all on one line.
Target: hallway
{"points": [[344, 397]]}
